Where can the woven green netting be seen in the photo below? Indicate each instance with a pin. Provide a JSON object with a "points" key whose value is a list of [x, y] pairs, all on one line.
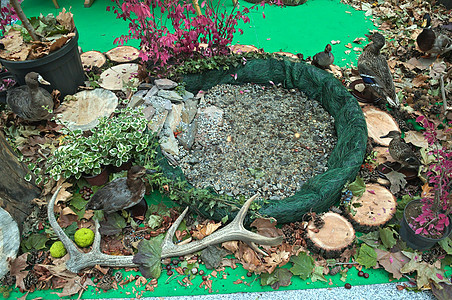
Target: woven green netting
{"points": [[322, 191]]}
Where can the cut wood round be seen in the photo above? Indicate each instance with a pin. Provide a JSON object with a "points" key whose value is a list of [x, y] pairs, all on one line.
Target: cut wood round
{"points": [[375, 208], [120, 76], [379, 123], [237, 49], [123, 54], [93, 59], [9, 240], [86, 107], [336, 235], [286, 54]]}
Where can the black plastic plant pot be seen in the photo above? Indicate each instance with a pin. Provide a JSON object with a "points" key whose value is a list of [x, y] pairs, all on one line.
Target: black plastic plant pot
{"points": [[408, 235], [62, 68]]}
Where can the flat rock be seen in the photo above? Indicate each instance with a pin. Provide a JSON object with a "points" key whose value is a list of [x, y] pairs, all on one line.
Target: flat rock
{"points": [[212, 112], [151, 93], [169, 144], [189, 111], [170, 95], [157, 122], [165, 84], [137, 99], [174, 117], [187, 137], [149, 112], [9, 240]]}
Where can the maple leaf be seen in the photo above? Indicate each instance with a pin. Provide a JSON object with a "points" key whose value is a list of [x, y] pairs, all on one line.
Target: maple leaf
{"points": [[280, 277], [443, 292], [425, 272], [267, 227], [17, 269], [392, 262], [74, 286], [278, 259], [148, 257], [317, 274], [303, 265], [366, 256], [397, 180]]}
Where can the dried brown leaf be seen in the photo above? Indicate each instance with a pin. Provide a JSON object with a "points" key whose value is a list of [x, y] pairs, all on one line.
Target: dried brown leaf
{"points": [[416, 138], [66, 19], [392, 262], [419, 80], [267, 227], [17, 269]]}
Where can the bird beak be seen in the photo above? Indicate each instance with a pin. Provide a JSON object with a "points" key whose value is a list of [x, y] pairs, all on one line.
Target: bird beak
{"points": [[384, 136], [368, 36], [424, 23], [150, 171], [42, 80]]}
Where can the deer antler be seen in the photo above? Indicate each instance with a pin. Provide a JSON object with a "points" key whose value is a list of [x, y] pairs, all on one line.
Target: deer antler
{"points": [[233, 231], [79, 260]]}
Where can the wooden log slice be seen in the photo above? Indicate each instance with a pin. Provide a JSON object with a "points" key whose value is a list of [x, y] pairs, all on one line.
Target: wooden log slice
{"points": [[375, 208], [290, 56], [237, 49], [123, 54], [336, 235], [118, 77], [379, 123], [93, 59]]}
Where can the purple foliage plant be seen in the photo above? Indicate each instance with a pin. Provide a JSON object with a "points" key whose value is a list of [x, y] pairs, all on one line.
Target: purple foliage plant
{"points": [[437, 205], [170, 32]]}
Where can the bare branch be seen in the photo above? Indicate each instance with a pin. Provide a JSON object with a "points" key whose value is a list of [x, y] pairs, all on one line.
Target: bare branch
{"points": [[23, 18]]}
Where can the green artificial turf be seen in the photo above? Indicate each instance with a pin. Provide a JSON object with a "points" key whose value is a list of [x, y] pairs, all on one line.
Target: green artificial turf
{"points": [[302, 29]]}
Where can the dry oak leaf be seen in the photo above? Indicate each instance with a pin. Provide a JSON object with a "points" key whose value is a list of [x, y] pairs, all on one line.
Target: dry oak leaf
{"points": [[267, 227], [276, 260], [66, 19], [205, 230], [67, 217], [232, 246], [419, 80], [392, 262], [16, 269], [416, 138]]}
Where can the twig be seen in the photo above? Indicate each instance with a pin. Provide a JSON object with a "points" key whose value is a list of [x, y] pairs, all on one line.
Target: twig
{"points": [[443, 94], [23, 18]]}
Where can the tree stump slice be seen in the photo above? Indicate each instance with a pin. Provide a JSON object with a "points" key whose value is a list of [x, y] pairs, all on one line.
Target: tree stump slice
{"points": [[336, 235], [123, 54], [9, 240], [377, 207], [93, 59], [237, 49], [119, 77], [287, 54], [379, 123], [87, 107]]}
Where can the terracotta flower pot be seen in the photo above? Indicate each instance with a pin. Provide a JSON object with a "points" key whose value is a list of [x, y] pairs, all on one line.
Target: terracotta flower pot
{"points": [[99, 179], [408, 235]]}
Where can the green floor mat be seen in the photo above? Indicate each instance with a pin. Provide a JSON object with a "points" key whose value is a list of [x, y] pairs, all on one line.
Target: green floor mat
{"points": [[227, 281], [298, 29]]}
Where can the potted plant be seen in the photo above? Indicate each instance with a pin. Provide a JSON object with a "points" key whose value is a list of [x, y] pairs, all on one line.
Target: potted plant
{"points": [[114, 141], [46, 44], [427, 220]]}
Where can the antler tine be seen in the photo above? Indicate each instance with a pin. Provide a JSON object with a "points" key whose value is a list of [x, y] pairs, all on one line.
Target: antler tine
{"points": [[233, 231], [79, 260], [68, 244]]}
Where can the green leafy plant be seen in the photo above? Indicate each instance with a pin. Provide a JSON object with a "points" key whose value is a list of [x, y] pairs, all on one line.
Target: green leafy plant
{"points": [[113, 141]]}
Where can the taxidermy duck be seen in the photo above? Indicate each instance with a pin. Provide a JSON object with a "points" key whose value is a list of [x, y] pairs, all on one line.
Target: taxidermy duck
{"points": [[401, 151], [323, 59], [374, 70], [31, 102], [121, 193], [433, 41]]}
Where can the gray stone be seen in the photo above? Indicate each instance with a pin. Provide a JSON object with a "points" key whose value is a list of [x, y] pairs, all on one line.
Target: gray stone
{"points": [[188, 96], [170, 95], [174, 117], [169, 144], [149, 112], [137, 99], [189, 111], [145, 86], [160, 104], [187, 137], [157, 121], [215, 114], [151, 93], [165, 84]]}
